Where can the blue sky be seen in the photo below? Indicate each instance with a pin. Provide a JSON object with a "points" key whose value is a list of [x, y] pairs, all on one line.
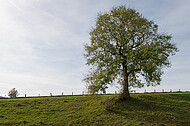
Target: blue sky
{"points": [[41, 42]]}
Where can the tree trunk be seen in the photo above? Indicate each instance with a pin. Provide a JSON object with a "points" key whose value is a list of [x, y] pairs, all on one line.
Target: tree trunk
{"points": [[125, 93]]}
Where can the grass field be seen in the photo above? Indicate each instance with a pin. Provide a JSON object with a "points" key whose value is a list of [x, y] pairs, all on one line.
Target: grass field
{"points": [[143, 109]]}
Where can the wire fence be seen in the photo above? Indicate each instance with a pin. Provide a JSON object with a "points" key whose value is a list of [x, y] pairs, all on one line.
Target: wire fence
{"points": [[109, 93]]}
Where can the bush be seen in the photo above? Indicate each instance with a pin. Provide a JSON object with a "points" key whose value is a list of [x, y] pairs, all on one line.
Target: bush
{"points": [[13, 93]]}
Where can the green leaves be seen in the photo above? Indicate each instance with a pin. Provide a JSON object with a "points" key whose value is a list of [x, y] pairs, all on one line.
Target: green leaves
{"points": [[125, 36]]}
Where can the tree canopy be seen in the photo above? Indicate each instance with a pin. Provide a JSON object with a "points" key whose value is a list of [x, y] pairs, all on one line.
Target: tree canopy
{"points": [[126, 47], [13, 93]]}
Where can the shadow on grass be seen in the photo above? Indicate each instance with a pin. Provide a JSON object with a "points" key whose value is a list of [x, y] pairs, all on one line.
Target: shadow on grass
{"points": [[153, 110], [134, 104]]}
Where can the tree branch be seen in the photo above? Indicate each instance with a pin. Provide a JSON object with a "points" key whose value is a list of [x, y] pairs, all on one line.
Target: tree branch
{"points": [[134, 46], [117, 43], [133, 71]]}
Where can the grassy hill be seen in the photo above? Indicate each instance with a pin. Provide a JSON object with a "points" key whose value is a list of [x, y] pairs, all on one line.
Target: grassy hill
{"points": [[143, 109]]}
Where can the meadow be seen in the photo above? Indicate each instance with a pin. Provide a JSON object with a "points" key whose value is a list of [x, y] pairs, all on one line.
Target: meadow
{"points": [[160, 109]]}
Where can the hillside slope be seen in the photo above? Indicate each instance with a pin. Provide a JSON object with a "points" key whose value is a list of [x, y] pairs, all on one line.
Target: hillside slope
{"points": [[143, 109]]}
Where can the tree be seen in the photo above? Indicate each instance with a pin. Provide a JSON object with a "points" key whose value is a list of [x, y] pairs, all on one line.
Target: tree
{"points": [[13, 93], [126, 47]]}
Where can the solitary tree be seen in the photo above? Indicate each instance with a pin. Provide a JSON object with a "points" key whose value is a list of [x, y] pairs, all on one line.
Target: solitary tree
{"points": [[126, 47], [13, 93]]}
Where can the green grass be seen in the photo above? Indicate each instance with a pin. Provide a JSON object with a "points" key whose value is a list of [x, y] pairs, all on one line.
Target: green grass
{"points": [[143, 109]]}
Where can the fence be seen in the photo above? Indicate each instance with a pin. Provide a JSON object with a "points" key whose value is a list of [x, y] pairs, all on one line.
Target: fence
{"points": [[83, 93], [131, 91]]}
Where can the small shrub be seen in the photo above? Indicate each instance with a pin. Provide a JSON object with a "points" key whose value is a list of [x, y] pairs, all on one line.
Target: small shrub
{"points": [[13, 93]]}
